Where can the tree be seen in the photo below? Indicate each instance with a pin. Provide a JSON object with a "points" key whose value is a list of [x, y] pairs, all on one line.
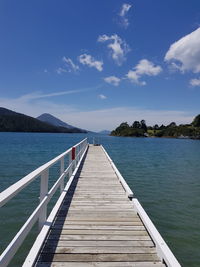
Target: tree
{"points": [[162, 127], [136, 125], [156, 127], [172, 124], [196, 121], [124, 125], [143, 125]]}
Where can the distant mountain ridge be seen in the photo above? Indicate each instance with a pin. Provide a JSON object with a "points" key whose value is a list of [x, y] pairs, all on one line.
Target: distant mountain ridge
{"points": [[48, 118], [11, 121]]}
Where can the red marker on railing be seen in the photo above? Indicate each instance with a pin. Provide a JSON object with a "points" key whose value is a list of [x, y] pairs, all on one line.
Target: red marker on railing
{"points": [[73, 153]]}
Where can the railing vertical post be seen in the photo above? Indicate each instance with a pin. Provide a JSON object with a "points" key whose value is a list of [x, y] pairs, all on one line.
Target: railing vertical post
{"points": [[43, 192], [78, 155], [62, 168], [70, 161]]}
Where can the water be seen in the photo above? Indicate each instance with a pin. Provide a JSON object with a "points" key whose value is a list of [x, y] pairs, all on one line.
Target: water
{"points": [[163, 173]]}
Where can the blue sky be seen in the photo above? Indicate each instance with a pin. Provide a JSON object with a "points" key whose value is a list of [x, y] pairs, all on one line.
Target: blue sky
{"points": [[97, 63]]}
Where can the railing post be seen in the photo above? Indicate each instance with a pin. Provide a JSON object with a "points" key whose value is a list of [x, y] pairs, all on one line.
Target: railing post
{"points": [[62, 168], [70, 161], [43, 191]]}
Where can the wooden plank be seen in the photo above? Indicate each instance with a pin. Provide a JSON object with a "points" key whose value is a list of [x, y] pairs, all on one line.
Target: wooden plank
{"points": [[99, 243], [97, 214], [100, 219], [98, 257], [99, 237], [100, 202], [134, 227], [94, 250], [93, 206], [101, 264], [98, 193], [91, 222], [92, 209], [97, 232], [98, 198]]}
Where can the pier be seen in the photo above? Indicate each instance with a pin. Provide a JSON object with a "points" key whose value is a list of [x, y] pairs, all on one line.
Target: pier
{"points": [[96, 221]]}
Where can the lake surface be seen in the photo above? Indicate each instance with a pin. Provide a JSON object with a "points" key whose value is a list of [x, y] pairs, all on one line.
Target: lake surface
{"points": [[163, 173]]}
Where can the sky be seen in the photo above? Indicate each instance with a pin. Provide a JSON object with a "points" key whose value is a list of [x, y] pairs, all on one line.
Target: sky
{"points": [[95, 64]]}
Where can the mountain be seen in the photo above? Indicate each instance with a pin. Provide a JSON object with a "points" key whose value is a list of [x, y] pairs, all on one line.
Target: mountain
{"points": [[106, 132], [48, 118], [11, 121]]}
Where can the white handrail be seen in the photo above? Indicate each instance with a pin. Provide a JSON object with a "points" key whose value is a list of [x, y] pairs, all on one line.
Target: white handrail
{"points": [[162, 248], [14, 189], [33, 253], [40, 211]]}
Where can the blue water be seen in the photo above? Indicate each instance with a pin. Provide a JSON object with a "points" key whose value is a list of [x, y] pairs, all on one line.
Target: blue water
{"points": [[163, 173]]}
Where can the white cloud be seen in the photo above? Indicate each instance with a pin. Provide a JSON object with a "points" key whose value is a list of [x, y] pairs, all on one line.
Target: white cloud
{"points": [[102, 96], [185, 53], [195, 82], [124, 10], [38, 95], [91, 62], [134, 77], [61, 70], [118, 47], [144, 67], [94, 119], [112, 80], [70, 65]]}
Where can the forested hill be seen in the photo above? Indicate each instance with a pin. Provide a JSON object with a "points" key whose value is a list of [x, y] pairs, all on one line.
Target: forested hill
{"points": [[11, 121], [140, 129]]}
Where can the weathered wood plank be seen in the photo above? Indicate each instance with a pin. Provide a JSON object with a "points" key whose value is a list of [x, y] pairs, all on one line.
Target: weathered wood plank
{"points": [[97, 214], [100, 264], [100, 219], [99, 237], [134, 227], [97, 203], [104, 250], [97, 232], [91, 222], [98, 257], [99, 243]]}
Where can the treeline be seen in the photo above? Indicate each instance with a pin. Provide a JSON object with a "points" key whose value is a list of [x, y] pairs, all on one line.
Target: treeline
{"points": [[140, 129]]}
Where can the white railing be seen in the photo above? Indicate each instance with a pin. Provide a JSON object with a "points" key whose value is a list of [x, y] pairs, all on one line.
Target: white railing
{"points": [[75, 155], [162, 248]]}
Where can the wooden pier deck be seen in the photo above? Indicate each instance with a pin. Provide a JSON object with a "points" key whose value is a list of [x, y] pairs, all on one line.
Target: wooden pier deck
{"points": [[97, 224]]}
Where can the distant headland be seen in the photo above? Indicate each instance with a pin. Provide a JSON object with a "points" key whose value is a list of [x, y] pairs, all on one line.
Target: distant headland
{"points": [[140, 129]]}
